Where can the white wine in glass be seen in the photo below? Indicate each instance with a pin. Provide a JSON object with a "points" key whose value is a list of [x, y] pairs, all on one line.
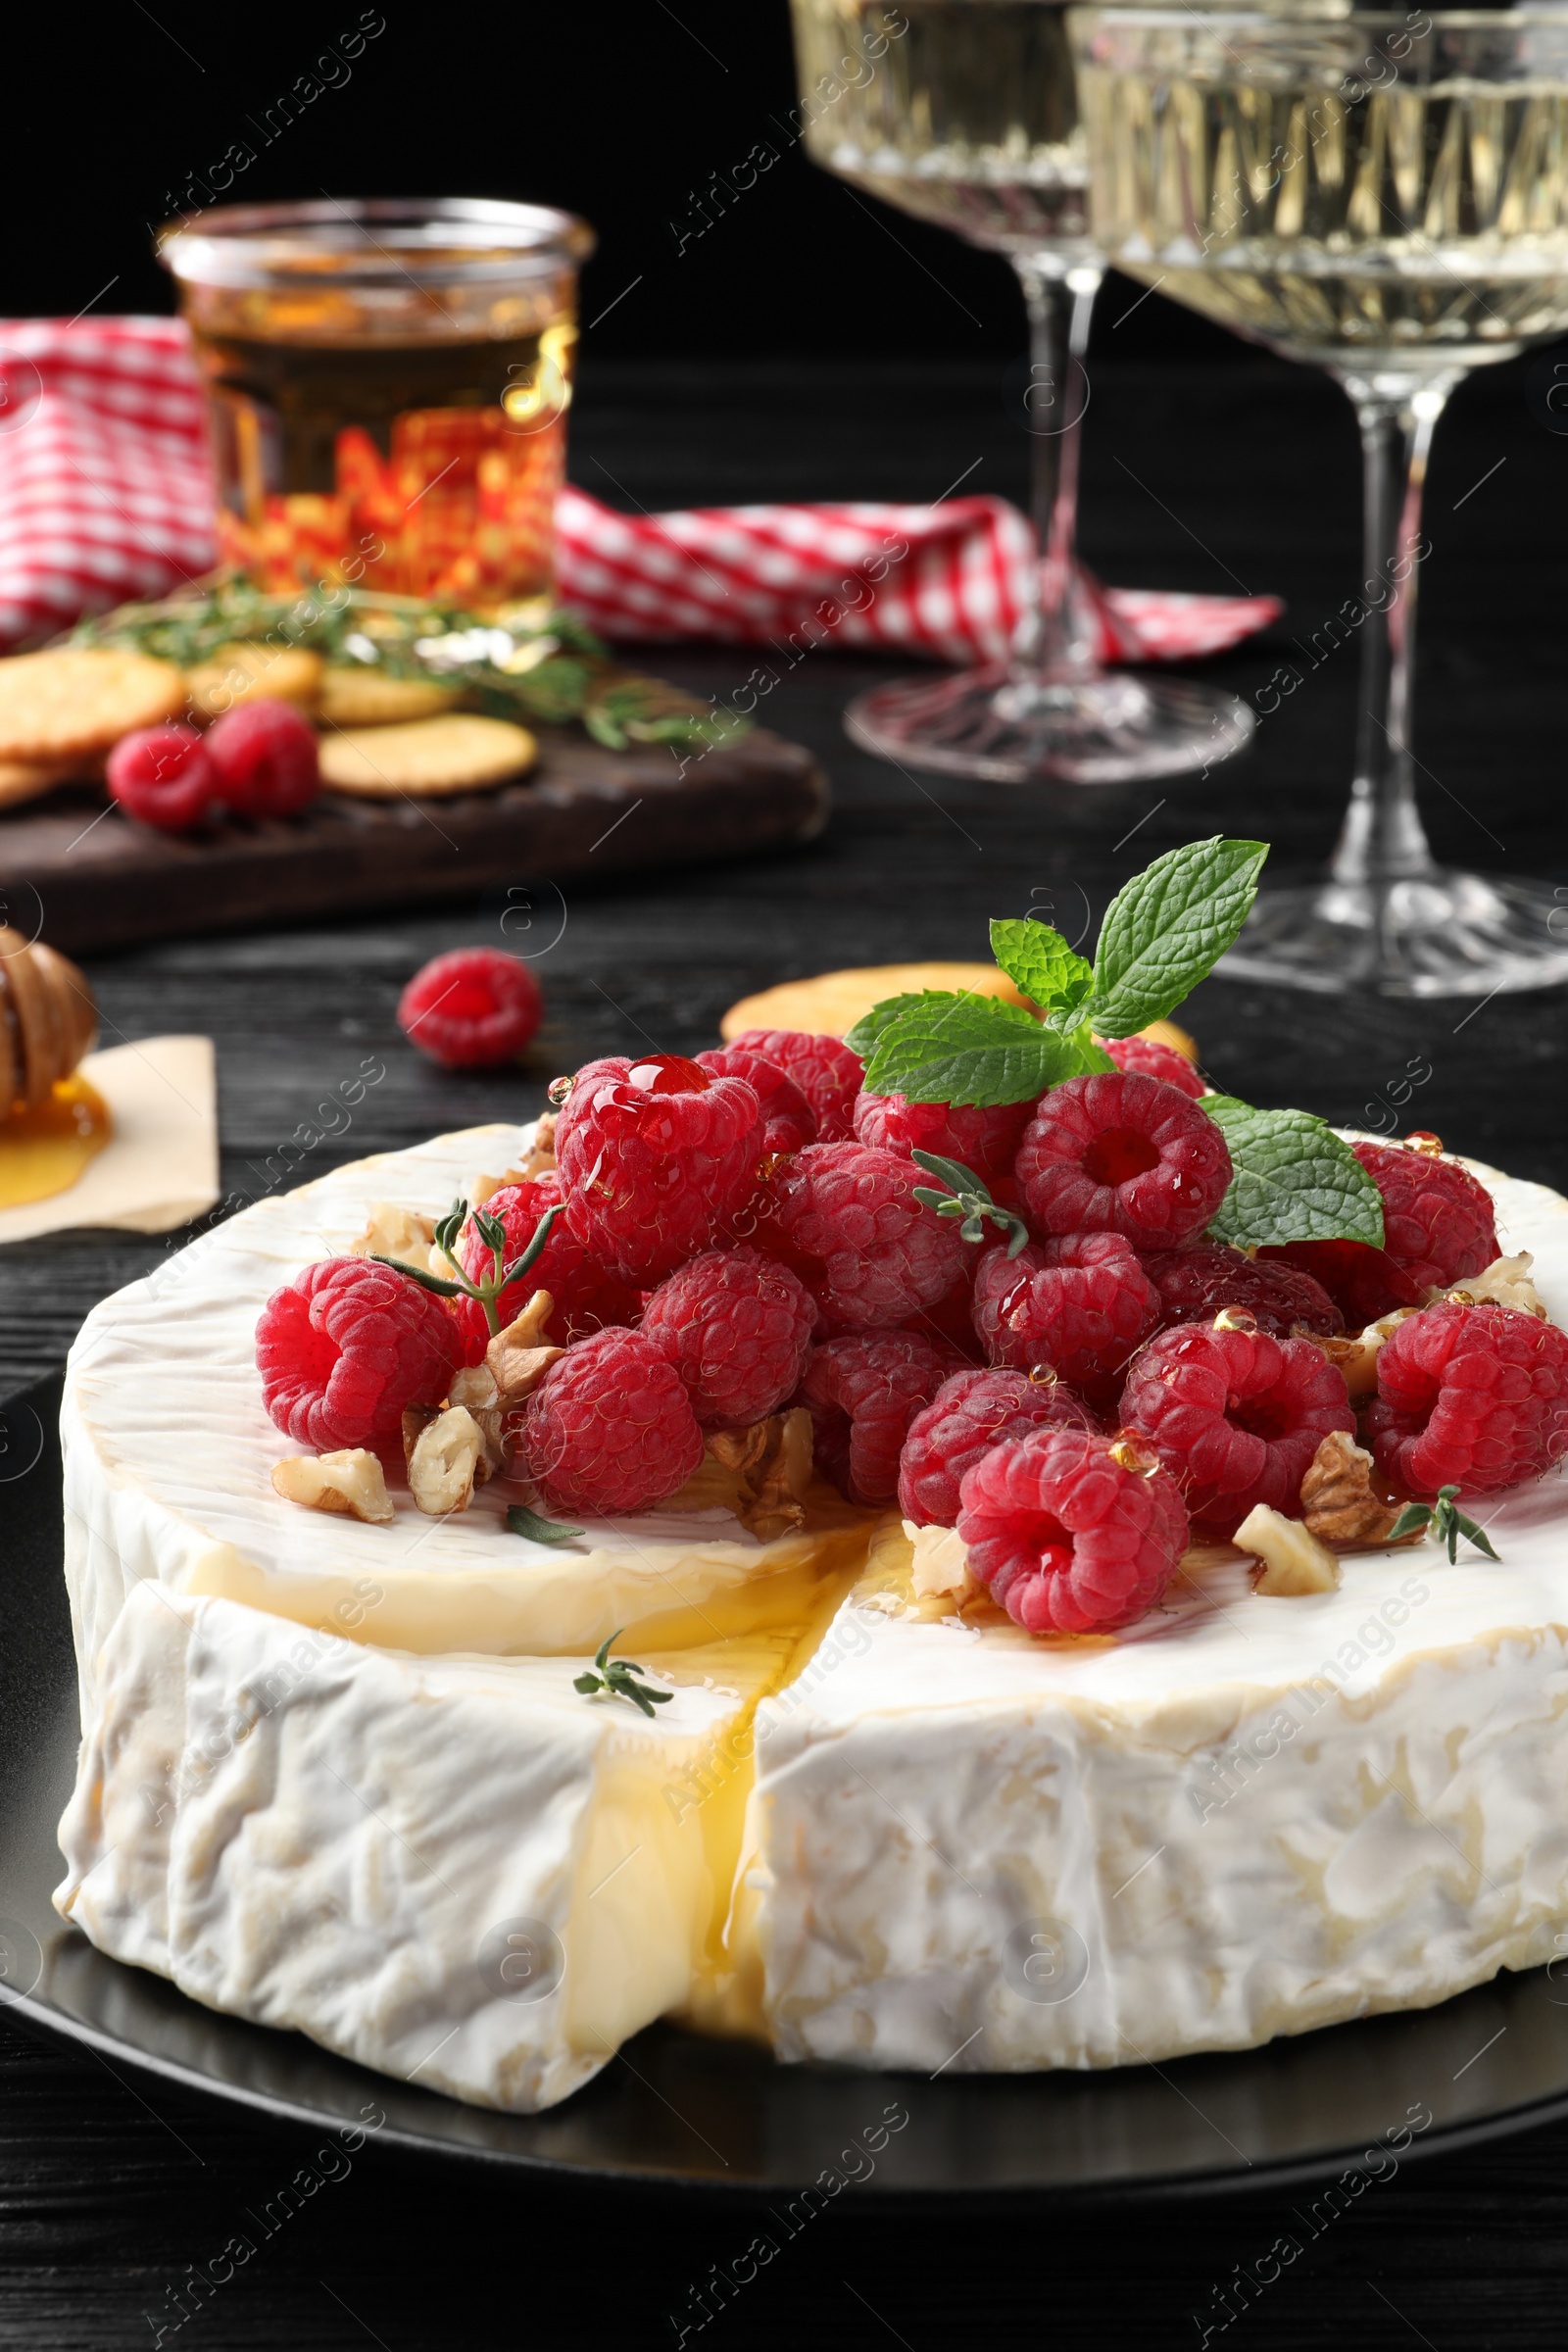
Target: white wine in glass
{"points": [[965, 112], [1385, 195]]}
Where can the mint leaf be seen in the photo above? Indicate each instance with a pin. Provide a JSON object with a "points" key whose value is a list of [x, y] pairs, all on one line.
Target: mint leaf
{"points": [[1168, 928], [976, 1050], [1294, 1180], [864, 1037], [1039, 961]]}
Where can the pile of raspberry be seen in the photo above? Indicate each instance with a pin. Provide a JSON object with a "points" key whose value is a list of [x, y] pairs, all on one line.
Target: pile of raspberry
{"points": [[1078, 1391]]}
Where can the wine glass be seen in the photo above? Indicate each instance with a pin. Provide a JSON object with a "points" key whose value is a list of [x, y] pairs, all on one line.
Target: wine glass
{"points": [[1385, 195], [965, 112]]}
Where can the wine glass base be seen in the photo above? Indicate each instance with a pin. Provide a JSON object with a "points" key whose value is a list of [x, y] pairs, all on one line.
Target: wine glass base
{"points": [[1006, 730], [1443, 934]]}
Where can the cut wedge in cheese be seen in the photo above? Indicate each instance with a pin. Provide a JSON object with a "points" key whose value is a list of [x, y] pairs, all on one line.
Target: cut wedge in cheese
{"points": [[169, 1457]]}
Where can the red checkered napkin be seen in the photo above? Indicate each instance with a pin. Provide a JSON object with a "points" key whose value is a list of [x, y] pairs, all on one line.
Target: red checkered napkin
{"points": [[104, 494]]}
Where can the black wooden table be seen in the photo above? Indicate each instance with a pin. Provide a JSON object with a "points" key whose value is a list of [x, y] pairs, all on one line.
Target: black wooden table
{"points": [[111, 2186]]}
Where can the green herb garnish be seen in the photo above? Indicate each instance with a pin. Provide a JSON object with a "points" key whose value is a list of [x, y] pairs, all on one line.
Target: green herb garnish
{"points": [[1445, 1523], [966, 1197], [1294, 1180], [614, 1678], [524, 1521], [488, 1288]]}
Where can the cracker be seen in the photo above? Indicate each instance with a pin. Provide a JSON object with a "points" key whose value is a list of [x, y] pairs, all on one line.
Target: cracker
{"points": [[80, 699], [246, 673], [29, 779], [830, 1005], [368, 698], [426, 757]]}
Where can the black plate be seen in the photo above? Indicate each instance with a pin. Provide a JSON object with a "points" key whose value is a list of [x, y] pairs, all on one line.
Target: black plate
{"points": [[678, 2110]]}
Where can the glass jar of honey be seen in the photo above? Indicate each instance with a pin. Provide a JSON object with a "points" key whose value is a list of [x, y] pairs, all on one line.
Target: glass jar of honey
{"points": [[388, 384]]}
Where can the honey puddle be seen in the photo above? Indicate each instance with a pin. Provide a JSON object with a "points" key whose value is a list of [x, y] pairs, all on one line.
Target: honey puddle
{"points": [[44, 1150]]}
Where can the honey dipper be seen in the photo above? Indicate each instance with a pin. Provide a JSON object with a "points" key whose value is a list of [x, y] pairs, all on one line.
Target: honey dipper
{"points": [[47, 1020]]}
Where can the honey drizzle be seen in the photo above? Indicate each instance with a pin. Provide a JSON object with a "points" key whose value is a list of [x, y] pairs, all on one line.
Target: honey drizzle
{"points": [[44, 1150]]}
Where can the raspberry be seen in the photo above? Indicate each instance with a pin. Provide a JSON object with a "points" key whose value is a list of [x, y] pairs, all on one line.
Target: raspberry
{"points": [[985, 1140], [265, 756], [470, 1008], [1152, 1059], [1068, 1536], [1363, 1283], [846, 1218], [736, 1327], [343, 1349], [788, 1120], [1193, 1283], [587, 1297], [863, 1394], [656, 1157], [968, 1416], [1474, 1397], [1437, 1223], [609, 1428], [1236, 1415], [1078, 1306], [163, 776], [824, 1069], [950, 1320], [1122, 1155]]}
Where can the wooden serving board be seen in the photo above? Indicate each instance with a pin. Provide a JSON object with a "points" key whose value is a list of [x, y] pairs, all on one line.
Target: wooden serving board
{"points": [[85, 885]]}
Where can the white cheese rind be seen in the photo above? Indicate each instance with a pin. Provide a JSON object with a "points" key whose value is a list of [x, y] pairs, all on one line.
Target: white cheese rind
{"points": [[1243, 1817], [311, 1833], [168, 1456]]}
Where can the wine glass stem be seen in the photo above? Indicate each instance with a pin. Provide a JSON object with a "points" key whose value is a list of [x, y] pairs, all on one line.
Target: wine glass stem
{"points": [[1057, 639], [1383, 840]]}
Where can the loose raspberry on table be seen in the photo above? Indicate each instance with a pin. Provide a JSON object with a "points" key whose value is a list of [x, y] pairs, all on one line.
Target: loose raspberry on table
{"points": [[845, 1217], [610, 1429], [656, 1157], [587, 1297], [267, 759], [1195, 1283], [1071, 1532], [345, 1348], [1439, 1224], [1236, 1416], [471, 1008], [163, 776], [736, 1326], [824, 1069], [983, 1138], [1473, 1397], [1152, 1060], [788, 1120], [971, 1413], [863, 1393], [1363, 1283], [1079, 1305], [1109, 1154]]}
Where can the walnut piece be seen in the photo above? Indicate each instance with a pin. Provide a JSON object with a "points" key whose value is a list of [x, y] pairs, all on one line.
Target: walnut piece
{"points": [[540, 1157], [1506, 1282], [474, 1389], [401, 1233], [1293, 1560], [351, 1483], [771, 1463], [1356, 1353], [518, 1357], [1340, 1503], [940, 1562], [445, 1454]]}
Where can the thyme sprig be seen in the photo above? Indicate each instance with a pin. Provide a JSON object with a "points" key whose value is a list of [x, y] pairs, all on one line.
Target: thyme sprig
{"points": [[968, 1198], [1445, 1523], [487, 1288], [616, 1678]]}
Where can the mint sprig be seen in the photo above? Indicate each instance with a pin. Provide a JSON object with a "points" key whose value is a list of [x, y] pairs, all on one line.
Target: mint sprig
{"points": [[1292, 1180], [489, 1287], [965, 1196], [1165, 930], [1445, 1523], [616, 1678]]}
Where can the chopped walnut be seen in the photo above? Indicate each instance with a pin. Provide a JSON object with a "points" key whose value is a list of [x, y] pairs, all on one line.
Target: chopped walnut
{"points": [[1356, 1353], [540, 1157], [1293, 1560], [401, 1233], [482, 1187], [518, 1357], [940, 1562], [1340, 1503], [771, 1466], [351, 1483], [1506, 1282], [474, 1390], [445, 1454]]}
